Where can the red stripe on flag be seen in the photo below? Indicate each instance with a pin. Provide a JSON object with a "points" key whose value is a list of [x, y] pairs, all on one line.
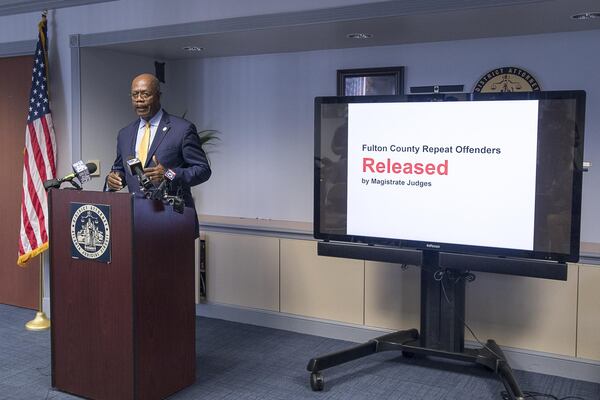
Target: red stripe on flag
{"points": [[49, 145], [21, 249], [35, 201], [40, 164], [27, 224]]}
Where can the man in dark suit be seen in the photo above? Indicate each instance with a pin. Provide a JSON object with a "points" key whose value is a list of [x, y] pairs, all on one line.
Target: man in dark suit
{"points": [[161, 141]]}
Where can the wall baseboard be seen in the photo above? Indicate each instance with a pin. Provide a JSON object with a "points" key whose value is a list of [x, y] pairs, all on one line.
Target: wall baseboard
{"points": [[521, 359]]}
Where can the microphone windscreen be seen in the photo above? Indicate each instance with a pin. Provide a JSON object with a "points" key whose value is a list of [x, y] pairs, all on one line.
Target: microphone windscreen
{"points": [[91, 167], [51, 183]]}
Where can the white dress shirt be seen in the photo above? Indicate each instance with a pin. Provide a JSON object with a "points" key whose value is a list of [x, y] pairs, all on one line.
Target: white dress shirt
{"points": [[154, 121]]}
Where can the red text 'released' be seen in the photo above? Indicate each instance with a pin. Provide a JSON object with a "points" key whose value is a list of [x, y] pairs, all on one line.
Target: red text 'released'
{"points": [[387, 166]]}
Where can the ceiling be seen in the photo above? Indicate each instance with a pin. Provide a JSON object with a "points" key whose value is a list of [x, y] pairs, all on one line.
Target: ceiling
{"points": [[11, 7], [390, 22]]}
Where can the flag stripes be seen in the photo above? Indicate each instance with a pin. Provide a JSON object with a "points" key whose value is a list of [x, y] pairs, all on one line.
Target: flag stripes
{"points": [[39, 158]]}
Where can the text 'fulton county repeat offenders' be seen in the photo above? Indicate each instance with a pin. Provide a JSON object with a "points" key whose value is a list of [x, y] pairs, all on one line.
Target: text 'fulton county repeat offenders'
{"points": [[391, 166]]}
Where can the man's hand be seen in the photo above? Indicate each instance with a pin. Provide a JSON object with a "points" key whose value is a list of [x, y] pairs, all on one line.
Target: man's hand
{"points": [[157, 173], [114, 181]]}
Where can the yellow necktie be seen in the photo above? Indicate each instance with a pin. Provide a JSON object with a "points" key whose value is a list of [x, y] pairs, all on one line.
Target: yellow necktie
{"points": [[143, 150]]}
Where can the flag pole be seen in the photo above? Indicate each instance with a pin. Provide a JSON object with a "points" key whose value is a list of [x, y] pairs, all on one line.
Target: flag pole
{"points": [[41, 321], [33, 237]]}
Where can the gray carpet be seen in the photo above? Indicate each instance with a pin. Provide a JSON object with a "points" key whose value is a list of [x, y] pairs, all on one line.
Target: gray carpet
{"points": [[246, 362]]}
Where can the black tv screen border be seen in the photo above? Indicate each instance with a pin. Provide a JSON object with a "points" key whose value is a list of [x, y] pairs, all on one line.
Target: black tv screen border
{"points": [[572, 256]]}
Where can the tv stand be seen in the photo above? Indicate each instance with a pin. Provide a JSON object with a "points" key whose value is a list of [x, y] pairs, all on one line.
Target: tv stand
{"points": [[441, 334]]}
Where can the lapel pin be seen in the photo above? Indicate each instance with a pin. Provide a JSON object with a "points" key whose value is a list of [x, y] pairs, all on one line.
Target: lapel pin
{"points": [[164, 128]]}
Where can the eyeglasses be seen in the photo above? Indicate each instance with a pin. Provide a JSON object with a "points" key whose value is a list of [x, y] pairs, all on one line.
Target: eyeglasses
{"points": [[141, 95]]}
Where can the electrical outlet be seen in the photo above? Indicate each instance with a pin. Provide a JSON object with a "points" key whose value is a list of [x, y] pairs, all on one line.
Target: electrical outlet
{"points": [[97, 162]]}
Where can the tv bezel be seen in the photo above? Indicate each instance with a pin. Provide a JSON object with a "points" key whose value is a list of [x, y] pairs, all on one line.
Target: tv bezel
{"points": [[578, 95]]}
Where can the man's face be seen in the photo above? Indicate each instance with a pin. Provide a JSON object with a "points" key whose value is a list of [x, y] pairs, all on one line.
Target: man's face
{"points": [[145, 97]]}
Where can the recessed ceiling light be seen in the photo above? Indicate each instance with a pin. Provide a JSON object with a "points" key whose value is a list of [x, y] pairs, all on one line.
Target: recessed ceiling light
{"points": [[193, 48], [586, 16], [359, 36]]}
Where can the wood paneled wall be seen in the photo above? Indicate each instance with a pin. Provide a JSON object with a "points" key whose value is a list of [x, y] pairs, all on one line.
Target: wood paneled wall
{"points": [[18, 286], [286, 275]]}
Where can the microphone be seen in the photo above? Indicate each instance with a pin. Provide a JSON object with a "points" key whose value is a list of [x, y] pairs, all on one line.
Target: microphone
{"points": [[175, 201], [51, 183], [135, 167], [169, 177], [81, 171], [161, 190]]}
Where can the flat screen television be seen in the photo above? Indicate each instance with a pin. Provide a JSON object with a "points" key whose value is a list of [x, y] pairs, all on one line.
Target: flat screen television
{"points": [[490, 174]]}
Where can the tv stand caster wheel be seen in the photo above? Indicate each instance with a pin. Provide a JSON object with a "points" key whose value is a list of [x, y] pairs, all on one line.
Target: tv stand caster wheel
{"points": [[317, 383]]}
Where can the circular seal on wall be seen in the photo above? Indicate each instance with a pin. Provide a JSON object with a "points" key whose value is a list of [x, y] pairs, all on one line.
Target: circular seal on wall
{"points": [[507, 79], [90, 231]]}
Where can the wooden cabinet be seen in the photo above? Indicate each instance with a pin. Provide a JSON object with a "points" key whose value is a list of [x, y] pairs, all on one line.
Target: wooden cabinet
{"points": [[286, 275]]}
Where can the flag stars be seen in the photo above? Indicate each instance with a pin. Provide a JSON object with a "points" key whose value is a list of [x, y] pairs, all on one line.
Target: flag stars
{"points": [[39, 104]]}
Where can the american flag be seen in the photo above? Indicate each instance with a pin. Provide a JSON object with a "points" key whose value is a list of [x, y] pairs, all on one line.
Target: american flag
{"points": [[39, 158]]}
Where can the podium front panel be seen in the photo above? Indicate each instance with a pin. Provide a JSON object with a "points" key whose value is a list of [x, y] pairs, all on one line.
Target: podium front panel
{"points": [[123, 329], [92, 325]]}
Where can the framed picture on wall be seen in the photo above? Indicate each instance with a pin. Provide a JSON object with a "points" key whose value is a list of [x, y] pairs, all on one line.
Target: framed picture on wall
{"points": [[370, 81]]}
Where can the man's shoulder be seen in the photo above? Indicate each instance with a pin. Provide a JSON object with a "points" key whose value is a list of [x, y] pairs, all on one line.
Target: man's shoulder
{"points": [[176, 121], [130, 127]]}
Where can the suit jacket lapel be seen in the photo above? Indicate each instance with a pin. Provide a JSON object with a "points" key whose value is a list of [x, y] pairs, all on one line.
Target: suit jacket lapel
{"points": [[161, 132], [133, 133]]}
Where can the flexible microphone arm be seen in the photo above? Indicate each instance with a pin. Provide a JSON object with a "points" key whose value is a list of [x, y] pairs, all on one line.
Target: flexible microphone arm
{"points": [[81, 171]]}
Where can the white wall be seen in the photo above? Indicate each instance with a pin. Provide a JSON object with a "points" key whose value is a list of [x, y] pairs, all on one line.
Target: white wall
{"points": [[105, 104], [263, 106], [283, 85], [123, 15]]}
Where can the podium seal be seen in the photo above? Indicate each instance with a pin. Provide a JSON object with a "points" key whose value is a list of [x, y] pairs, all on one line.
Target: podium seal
{"points": [[90, 232]]}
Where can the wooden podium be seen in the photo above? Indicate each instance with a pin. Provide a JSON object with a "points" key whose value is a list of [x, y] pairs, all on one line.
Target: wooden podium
{"points": [[123, 329]]}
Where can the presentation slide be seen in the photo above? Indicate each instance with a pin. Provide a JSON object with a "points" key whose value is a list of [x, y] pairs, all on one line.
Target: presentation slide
{"points": [[447, 172]]}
